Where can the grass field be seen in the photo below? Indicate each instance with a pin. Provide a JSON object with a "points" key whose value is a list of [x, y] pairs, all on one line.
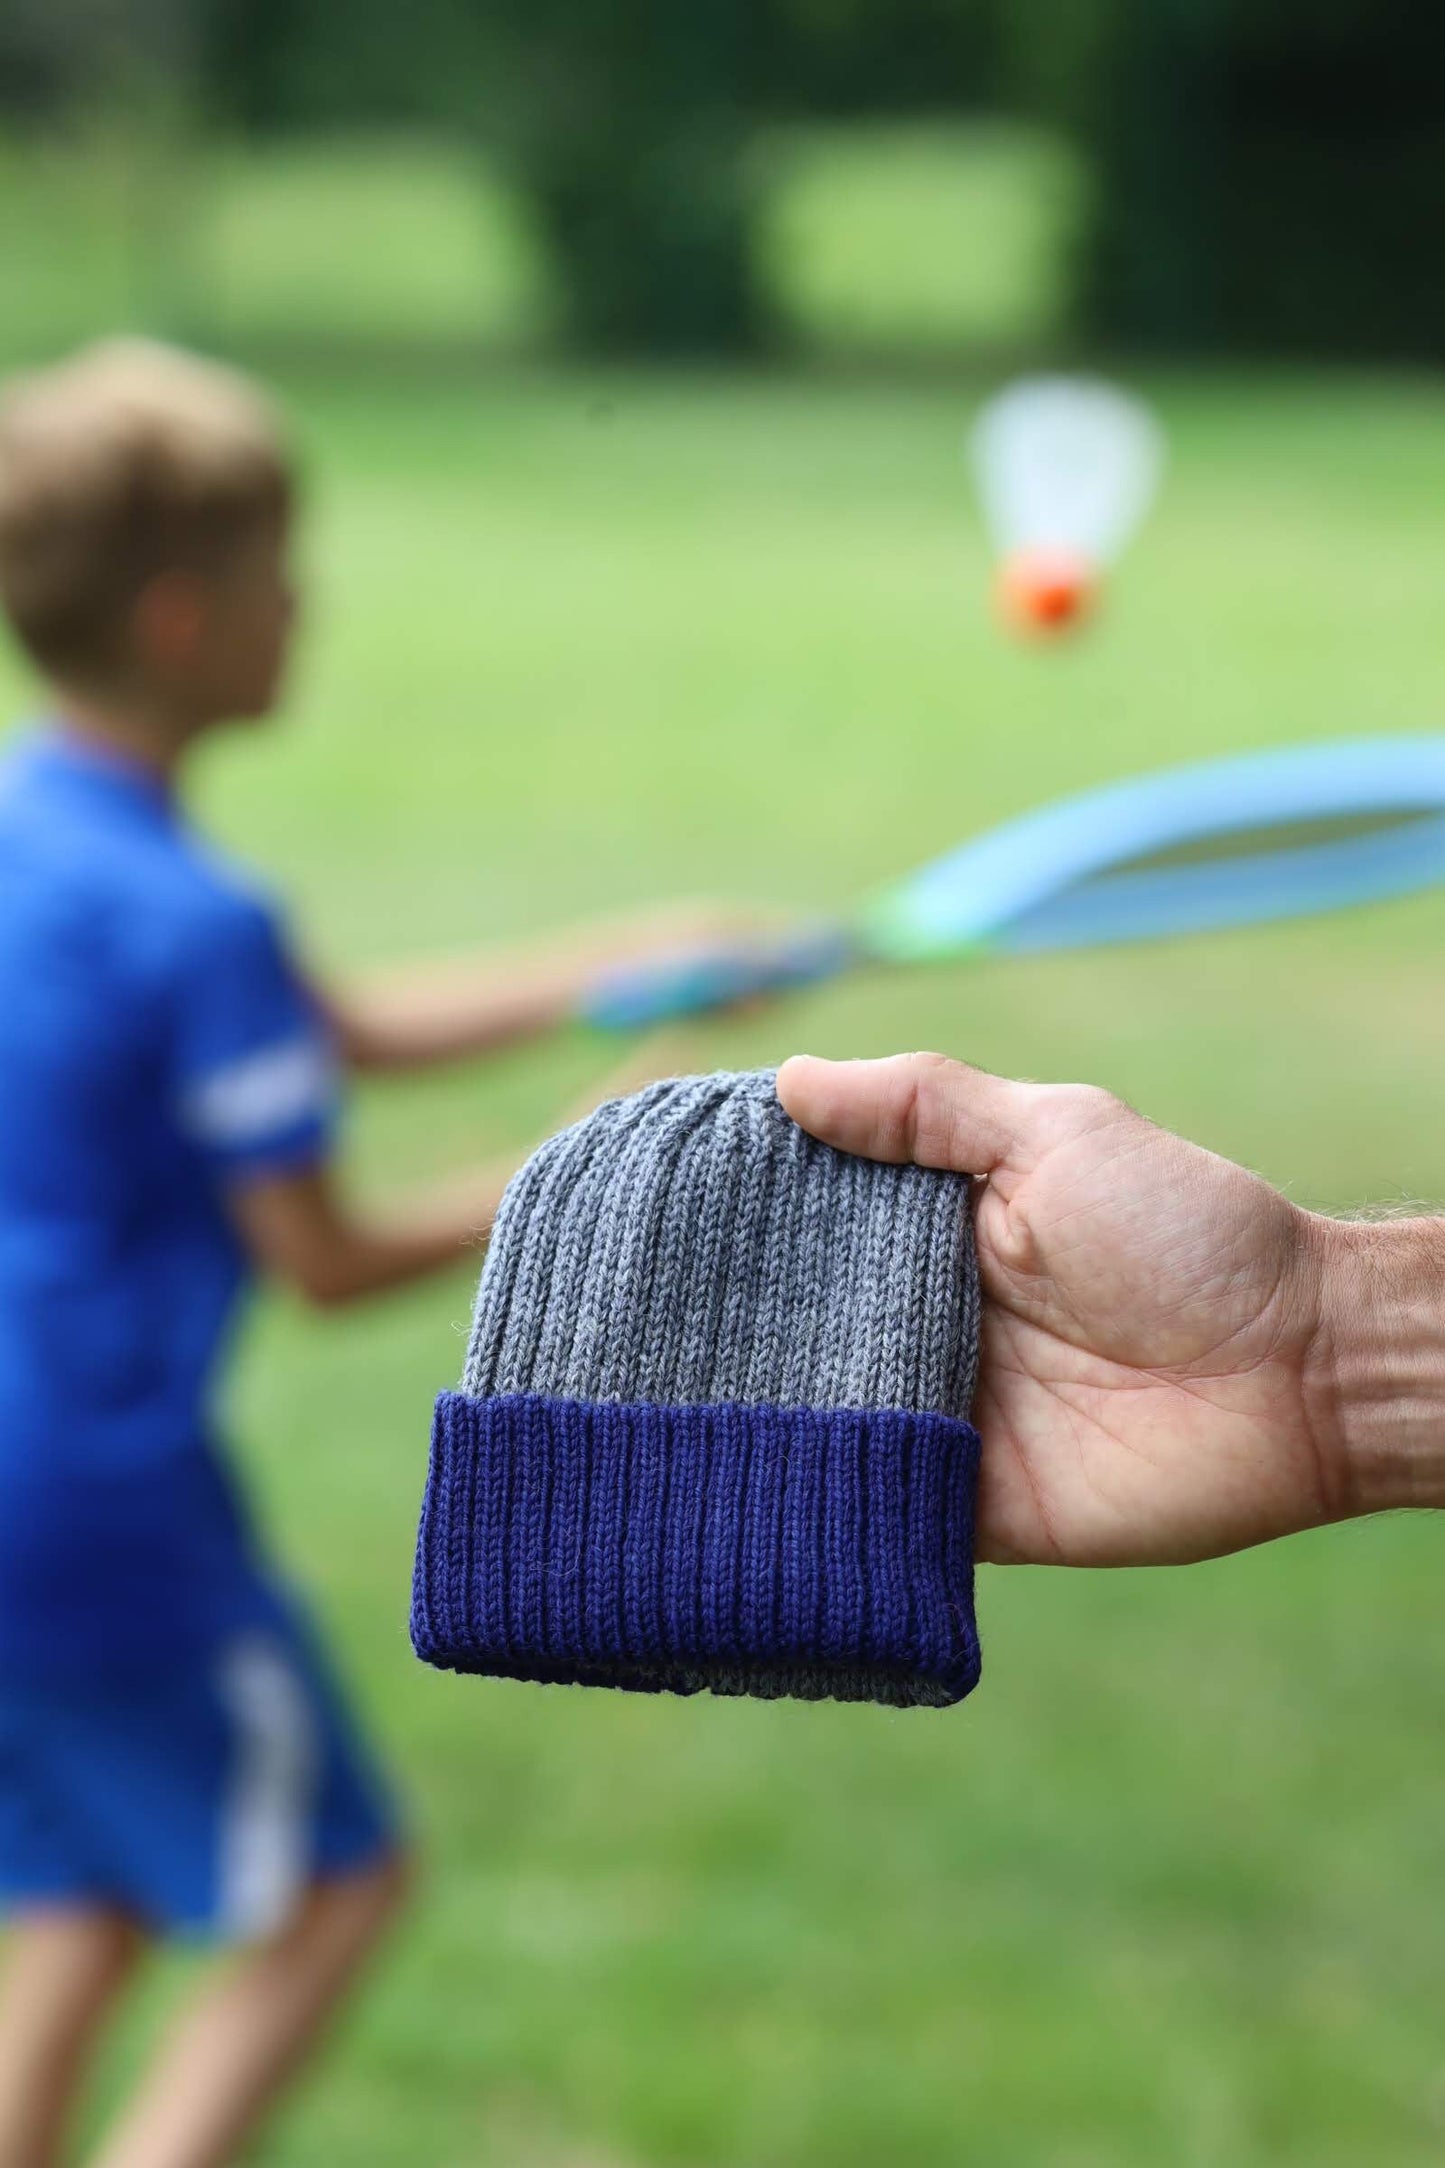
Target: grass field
{"points": [[1167, 1890]]}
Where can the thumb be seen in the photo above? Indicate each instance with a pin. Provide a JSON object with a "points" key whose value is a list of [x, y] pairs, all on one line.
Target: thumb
{"points": [[919, 1107]]}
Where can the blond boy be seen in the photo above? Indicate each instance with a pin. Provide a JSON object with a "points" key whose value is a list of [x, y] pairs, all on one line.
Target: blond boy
{"points": [[173, 1754]]}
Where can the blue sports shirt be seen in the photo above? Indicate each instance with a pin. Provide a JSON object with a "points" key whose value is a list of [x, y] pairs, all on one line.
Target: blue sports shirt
{"points": [[156, 1048]]}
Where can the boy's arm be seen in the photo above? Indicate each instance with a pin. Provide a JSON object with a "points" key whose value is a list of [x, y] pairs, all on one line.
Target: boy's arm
{"points": [[299, 1227], [440, 1012]]}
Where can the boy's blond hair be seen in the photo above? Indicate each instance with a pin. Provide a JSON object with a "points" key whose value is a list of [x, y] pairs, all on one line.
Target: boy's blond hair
{"points": [[128, 460]]}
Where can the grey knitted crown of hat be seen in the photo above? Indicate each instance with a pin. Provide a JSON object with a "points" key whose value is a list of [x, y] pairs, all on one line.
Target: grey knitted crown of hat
{"points": [[712, 1430]]}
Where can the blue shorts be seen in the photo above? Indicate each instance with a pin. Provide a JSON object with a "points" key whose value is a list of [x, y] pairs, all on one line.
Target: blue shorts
{"points": [[202, 1800]]}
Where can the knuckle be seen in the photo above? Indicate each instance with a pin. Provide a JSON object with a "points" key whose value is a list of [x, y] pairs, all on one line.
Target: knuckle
{"points": [[1092, 1103]]}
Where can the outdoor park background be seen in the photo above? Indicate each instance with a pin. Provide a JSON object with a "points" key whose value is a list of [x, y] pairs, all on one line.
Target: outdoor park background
{"points": [[592, 626]]}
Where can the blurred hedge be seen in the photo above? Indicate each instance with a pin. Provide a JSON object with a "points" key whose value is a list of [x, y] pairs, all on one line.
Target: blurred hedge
{"points": [[1264, 176], [879, 241]]}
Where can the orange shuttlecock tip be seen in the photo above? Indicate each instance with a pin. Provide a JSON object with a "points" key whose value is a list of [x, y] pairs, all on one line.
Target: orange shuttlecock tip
{"points": [[1044, 591]]}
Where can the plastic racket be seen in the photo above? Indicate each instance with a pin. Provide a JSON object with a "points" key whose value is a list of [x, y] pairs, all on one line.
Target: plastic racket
{"points": [[1233, 842]]}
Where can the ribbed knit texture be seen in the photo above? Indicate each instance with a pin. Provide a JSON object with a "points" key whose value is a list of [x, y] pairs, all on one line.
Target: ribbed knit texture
{"points": [[712, 1427]]}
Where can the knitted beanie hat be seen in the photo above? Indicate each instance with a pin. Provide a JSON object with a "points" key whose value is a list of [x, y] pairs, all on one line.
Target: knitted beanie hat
{"points": [[712, 1429]]}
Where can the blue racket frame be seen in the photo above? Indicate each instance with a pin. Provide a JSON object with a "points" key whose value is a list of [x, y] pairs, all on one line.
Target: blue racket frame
{"points": [[1067, 876]]}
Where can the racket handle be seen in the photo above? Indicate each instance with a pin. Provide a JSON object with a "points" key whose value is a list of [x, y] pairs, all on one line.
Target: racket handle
{"points": [[647, 994]]}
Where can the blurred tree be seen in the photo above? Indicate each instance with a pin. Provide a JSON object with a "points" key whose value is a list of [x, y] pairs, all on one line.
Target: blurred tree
{"points": [[1268, 173], [121, 78], [629, 123], [625, 121], [1268, 177], [854, 57], [1332, 204]]}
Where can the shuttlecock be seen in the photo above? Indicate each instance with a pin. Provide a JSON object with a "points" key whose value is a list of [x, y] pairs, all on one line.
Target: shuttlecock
{"points": [[1067, 468]]}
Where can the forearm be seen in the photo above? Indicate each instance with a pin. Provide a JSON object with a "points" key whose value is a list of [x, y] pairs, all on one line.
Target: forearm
{"points": [[1377, 1380], [410, 1243], [301, 1232], [429, 1235], [445, 1012]]}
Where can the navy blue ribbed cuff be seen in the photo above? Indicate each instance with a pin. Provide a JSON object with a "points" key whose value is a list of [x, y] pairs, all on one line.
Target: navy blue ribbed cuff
{"points": [[755, 1550]]}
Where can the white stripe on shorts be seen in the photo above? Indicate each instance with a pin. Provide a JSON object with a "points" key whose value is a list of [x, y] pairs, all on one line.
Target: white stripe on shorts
{"points": [[268, 1813]]}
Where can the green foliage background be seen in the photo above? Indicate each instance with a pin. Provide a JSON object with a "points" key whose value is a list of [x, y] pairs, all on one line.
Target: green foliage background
{"points": [[1264, 178]]}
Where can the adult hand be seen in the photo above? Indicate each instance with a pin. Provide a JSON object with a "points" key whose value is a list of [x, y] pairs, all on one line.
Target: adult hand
{"points": [[1177, 1362]]}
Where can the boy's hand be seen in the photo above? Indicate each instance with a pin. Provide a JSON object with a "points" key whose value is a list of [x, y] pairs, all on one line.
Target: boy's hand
{"points": [[445, 1011], [1175, 1357]]}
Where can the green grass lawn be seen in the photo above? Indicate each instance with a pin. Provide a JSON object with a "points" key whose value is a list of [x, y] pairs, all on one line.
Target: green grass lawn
{"points": [[1166, 1890]]}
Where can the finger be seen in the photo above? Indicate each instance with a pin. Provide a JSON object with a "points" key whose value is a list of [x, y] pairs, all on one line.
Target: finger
{"points": [[918, 1107]]}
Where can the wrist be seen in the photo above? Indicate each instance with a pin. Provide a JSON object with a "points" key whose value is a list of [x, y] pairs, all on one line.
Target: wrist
{"points": [[1375, 1375]]}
